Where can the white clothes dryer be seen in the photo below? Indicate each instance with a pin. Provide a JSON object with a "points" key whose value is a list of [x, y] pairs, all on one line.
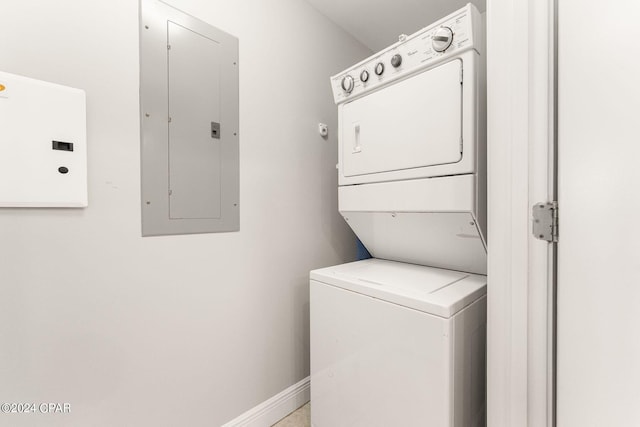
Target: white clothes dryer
{"points": [[412, 146]]}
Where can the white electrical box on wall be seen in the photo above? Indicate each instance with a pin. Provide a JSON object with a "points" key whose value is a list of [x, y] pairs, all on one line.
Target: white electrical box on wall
{"points": [[43, 160]]}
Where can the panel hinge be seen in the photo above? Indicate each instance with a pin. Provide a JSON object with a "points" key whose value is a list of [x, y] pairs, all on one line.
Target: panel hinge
{"points": [[545, 221]]}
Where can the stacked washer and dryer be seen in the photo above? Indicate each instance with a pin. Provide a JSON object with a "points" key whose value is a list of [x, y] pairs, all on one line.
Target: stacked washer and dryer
{"points": [[400, 339]]}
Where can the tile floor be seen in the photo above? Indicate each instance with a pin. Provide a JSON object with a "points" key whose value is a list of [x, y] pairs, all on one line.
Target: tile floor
{"points": [[299, 418]]}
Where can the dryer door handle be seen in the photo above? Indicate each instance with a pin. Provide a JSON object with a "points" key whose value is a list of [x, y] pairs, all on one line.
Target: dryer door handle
{"points": [[356, 138]]}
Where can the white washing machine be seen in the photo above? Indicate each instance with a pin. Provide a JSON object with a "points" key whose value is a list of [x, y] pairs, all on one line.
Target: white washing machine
{"points": [[395, 344], [399, 340]]}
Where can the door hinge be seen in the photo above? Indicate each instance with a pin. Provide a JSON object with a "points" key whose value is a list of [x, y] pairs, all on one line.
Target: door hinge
{"points": [[545, 221]]}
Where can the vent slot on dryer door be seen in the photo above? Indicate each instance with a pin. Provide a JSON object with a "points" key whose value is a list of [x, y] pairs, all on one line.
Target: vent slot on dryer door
{"points": [[411, 124]]}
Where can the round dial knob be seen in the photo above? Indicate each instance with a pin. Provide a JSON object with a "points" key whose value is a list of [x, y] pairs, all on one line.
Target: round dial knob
{"points": [[442, 39], [396, 60], [379, 68], [364, 76], [347, 83]]}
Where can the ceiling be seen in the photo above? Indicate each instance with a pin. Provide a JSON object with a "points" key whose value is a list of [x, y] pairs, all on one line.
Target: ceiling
{"points": [[378, 23]]}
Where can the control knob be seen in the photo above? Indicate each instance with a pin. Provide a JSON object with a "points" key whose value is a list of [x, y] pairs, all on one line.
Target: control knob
{"points": [[396, 60], [364, 76], [379, 68], [347, 83], [442, 39]]}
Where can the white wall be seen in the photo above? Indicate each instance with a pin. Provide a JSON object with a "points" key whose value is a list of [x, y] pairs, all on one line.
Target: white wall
{"points": [[171, 331]]}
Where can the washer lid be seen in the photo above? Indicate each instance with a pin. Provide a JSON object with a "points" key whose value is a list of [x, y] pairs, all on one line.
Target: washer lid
{"points": [[431, 290]]}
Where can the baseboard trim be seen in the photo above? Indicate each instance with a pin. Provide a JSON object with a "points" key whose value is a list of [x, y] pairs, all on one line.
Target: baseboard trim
{"points": [[274, 409]]}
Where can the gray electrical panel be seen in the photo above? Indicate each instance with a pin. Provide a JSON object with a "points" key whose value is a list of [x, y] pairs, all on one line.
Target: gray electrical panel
{"points": [[189, 124]]}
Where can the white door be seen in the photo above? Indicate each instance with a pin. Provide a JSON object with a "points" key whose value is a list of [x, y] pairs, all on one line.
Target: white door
{"points": [[411, 124], [194, 153], [598, 329]]}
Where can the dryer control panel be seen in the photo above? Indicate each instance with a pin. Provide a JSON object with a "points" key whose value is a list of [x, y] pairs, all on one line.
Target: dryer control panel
{"points": [[424, 49]]}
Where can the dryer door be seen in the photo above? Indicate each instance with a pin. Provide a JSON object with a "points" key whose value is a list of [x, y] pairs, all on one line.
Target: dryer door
{"points": [[411, 124]]}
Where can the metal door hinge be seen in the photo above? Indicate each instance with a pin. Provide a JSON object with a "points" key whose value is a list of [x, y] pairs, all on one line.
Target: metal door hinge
{"points": [[545, 221]]}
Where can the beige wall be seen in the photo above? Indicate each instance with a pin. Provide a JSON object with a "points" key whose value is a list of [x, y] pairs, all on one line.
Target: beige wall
{"points": [[184, 330]]}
